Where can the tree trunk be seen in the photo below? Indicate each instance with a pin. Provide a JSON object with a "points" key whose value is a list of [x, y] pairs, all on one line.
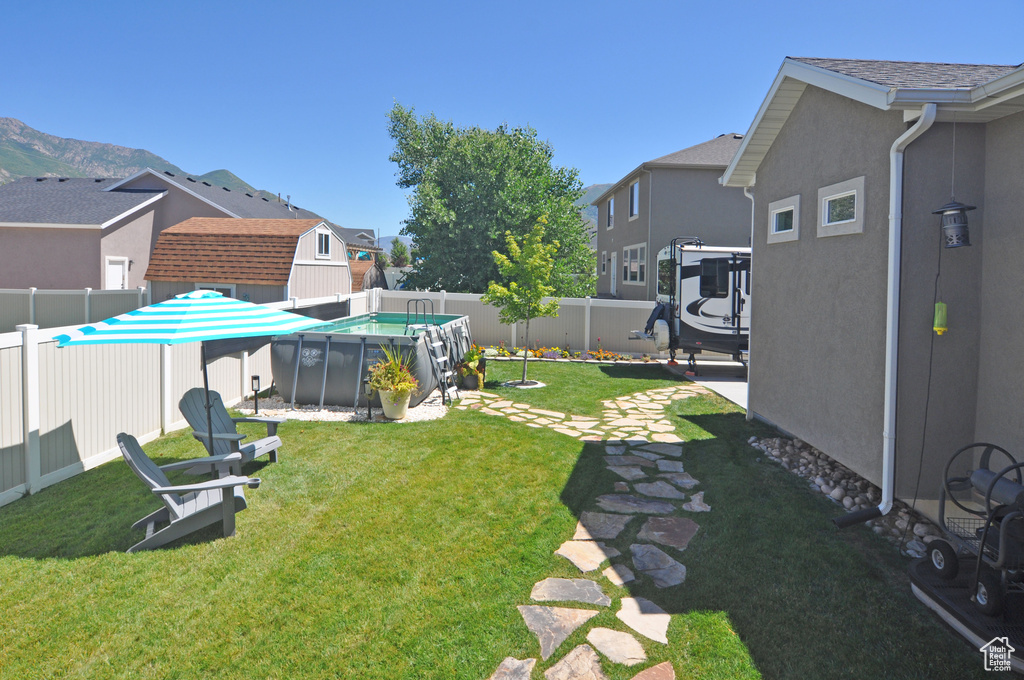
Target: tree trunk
{"points": [[526, 350]]}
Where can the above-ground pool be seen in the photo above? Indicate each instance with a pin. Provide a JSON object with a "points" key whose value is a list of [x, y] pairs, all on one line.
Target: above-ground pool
{"points": [[332, 359]]}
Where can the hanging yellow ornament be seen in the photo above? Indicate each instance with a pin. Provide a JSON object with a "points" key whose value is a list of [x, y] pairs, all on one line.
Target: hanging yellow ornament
{"points": [[939, 325]]}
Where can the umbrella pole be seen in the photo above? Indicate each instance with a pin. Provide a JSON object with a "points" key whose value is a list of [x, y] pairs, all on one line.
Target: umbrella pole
{"points": [[227, 497], [206, 391]]}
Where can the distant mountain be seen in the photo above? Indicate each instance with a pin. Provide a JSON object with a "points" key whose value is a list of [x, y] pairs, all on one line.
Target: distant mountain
{"points": [[26, 152], [590, 211], [385, 242]]}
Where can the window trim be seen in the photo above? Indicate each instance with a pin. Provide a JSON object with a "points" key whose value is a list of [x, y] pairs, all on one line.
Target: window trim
{"points": [[641, 274], [208, 285], [782, 205], [604, 262], [634, 204], [320, 255], [609, 220], [831, 192]]}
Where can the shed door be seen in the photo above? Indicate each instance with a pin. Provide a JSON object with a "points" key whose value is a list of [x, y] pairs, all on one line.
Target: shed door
{"points": [[117, 273]]}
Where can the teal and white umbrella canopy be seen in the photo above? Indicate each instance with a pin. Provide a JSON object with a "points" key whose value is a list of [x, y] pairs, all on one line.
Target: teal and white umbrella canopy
{"points": [[191, 317]]}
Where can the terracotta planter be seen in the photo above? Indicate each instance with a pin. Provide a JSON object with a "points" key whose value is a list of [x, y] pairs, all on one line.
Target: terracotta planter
{"points": [[395, 405]]}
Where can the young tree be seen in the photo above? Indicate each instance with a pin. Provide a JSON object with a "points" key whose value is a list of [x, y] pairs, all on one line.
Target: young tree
{"points": [[470, 187], [527, 271], [399, 253]]}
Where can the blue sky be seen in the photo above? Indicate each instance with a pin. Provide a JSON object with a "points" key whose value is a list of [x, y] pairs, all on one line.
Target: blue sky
{"points": [[293, 96]]}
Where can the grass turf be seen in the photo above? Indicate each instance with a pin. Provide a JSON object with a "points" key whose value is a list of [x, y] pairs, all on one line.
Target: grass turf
{"points": [[401, 551]]}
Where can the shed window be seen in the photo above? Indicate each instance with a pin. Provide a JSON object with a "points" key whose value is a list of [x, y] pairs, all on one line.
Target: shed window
{"points": [[323, 244]]}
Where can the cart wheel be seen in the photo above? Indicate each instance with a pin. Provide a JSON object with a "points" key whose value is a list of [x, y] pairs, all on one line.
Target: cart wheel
{"points": [[943, 558], [989, 594]]}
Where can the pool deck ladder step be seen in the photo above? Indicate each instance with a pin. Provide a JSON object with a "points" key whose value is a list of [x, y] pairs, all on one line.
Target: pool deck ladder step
{"points": [[442, 362]]}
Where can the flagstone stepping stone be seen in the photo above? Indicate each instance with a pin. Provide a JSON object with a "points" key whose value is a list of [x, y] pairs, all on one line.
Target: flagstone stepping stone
{"points": [[475, 407], [550, 414], [516, 419], [552, 625], [653, 457], [664, 449], [582, 663], [486, 394], [586, 555], [562, 430], [582, 418], [663, 671], [514, 669], [681, 479], [619, 574], [593, 525], [621, 486], [629, 460], [665, 437], [628, 472], [697, 503], [661, 427], [615, 450], [659, 489], [545, 421], [624, 422], [631, 504], [592, 438], [672, 531], [534, 425], [645, 617], [501, 404], [670, 466], [653, 562], [490, 411], [526, 406], [569, 590], [619, 647]]}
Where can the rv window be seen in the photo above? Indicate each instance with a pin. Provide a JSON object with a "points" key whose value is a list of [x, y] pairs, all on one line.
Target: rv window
{"points": [[714, 278], [666, 278]]}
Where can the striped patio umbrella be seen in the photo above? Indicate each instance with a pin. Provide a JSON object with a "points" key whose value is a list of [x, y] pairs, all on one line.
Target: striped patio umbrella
{"points": [[191, 317]]}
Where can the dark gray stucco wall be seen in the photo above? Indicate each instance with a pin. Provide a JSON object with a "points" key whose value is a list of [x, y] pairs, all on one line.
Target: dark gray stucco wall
{"points": [[625, 232], [1001, 365], [948, 383], [818, 304]]}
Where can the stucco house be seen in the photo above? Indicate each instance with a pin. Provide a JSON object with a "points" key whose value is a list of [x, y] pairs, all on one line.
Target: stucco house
{"points": [[670, 196], [848, 160], [67, 233], [257, 260]]}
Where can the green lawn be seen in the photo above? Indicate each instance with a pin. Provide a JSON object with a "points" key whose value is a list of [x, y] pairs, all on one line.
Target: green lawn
{"points": [[401, 551]]}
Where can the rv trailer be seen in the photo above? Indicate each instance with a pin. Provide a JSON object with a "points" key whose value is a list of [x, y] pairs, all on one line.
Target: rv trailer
{"points": [[703, 300]]}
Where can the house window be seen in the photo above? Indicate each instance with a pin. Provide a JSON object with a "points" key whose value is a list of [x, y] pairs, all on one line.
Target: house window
{"points": [[225, 289], [610, 217], [604, 261], [784, 220], [634, 199], [634, 264], [841, 208], [323, 244]]}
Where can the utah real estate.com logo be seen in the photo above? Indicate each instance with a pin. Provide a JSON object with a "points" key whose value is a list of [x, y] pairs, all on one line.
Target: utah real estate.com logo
{"points": [[997, 654]]}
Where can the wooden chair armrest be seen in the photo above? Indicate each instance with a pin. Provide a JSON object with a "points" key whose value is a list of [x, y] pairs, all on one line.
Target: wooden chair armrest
{"points": [[226, 436], [222, 483], [214, 461]]}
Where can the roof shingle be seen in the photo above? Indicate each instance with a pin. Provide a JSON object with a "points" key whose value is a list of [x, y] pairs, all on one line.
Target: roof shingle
{"points": [[717, 152], [74, 200], [912, 74]]}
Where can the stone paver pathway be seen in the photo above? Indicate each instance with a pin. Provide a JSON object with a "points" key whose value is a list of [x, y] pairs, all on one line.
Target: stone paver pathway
{"points": [[640, 446]]}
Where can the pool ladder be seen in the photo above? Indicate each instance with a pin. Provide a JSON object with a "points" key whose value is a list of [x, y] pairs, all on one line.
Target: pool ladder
{"points": [[442, 348]]}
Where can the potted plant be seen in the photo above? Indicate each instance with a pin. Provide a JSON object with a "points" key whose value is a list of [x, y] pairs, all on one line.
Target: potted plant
{"points": [[471, 368], [394, 381]]}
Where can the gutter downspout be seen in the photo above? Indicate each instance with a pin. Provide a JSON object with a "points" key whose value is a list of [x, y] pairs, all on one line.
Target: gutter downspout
{"points": [[746, 192], [928, 112]]}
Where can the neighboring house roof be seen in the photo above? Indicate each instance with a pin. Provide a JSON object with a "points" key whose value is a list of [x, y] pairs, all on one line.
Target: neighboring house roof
{"points": [[228, 250], [969, 93], [712, 154], [68, 202]]}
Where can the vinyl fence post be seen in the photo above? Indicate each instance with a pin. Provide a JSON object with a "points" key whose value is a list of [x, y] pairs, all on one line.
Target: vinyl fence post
{"points": [[31, 305], [444, 294], [243, 375], [88, 305], [586, 323], [142, 297], [166, 398], [30, 404]]}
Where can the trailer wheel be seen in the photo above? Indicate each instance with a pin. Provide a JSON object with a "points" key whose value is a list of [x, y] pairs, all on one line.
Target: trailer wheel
{"points": [[988, 596], [944, 559]]}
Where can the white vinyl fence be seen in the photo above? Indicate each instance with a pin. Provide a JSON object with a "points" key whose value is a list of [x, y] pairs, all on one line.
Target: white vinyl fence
{"points": [[582, 324], [61, 409], [54, 308]]}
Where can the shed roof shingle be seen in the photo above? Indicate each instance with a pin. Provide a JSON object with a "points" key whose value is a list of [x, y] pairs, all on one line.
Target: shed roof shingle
{"points": [[228, 250], [913, 74], [74, 200]]}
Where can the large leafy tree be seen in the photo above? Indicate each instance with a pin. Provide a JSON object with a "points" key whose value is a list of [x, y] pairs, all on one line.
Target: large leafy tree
{"points": [[526, 272], [469, 187]]}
